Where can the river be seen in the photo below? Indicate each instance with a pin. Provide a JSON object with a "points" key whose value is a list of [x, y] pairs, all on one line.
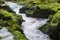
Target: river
{"points": [[31, 25]]}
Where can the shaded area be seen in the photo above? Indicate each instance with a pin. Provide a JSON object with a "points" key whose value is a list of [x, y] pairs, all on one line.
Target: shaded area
{"points": [[52, 28], [38, 13]]}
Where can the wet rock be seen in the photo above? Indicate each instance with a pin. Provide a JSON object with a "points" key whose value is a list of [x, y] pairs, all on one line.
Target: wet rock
{"points": [[38, 13]]}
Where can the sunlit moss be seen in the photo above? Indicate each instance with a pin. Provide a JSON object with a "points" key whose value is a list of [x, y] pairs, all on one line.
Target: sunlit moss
{"points": [[13, 23], [55, 19]]}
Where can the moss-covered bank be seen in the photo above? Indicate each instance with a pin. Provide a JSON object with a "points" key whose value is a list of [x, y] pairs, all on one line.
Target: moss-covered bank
{"points": [[13, 23]]}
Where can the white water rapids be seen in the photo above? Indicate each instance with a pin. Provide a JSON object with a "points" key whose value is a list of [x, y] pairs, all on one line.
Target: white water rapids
{"points": [[5, 34], [31, 25]]}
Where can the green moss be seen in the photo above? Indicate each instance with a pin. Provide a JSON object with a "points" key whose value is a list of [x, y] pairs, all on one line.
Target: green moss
{"points": [[53, 26], [11, 22], [55, 20], [41, 4], [19, 36]]}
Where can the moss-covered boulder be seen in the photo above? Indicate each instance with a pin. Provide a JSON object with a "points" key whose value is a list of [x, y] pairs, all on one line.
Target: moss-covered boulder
{"points": [[40, 8], [38, 13], [53, 26], [13, 23]]}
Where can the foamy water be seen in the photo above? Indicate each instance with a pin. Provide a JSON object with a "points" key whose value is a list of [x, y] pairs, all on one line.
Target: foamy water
{"points": [[31, 25], [5, 34]]}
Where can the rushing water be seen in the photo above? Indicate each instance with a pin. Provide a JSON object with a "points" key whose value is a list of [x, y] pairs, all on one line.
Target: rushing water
{"points": [[5, 34], [31, 25]]}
